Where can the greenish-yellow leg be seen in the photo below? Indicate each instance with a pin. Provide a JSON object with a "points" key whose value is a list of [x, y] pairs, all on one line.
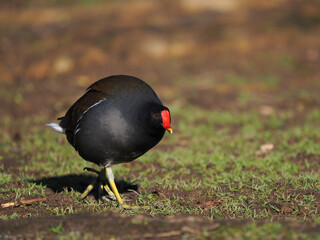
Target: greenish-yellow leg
{"points": [[114, 188], [105, 174], [103, 184], [108, 190], [88, 189]]}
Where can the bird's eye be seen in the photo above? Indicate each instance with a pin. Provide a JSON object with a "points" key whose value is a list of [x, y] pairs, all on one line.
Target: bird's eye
{"points": [[157, 116]]}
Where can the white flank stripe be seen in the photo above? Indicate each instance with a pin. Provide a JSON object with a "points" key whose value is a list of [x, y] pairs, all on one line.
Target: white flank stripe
{"points": [[59, 129], [77, 126], [56, 127], [77, 130], [92, 106]]}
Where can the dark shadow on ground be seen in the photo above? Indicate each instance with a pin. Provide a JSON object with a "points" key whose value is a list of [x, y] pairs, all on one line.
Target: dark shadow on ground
{"points": [[79, 182]]}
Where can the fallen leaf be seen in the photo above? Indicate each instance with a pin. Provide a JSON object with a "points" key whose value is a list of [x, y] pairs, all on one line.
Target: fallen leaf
{"points": [[266, 147]]}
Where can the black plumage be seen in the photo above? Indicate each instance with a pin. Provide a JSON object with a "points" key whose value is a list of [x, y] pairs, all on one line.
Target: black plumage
{"points": [[118, 119]]}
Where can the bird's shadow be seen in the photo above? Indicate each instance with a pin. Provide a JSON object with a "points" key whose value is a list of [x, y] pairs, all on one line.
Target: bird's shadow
{"points": [[79, 183]]}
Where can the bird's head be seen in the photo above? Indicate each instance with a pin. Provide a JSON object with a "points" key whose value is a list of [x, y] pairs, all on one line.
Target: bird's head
{"points": [[160, 117]]}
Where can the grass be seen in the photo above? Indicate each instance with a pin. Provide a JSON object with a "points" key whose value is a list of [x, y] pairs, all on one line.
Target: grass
{"points": [[217, 158], [212, 166], [263, 231]]}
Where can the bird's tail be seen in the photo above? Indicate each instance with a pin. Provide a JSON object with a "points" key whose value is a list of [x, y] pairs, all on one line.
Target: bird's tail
{"points": [[56, 127]]}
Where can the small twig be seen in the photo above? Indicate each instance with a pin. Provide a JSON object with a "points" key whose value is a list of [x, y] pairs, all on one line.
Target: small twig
{"points": [[187, 229], [184, 229], [163, 235], [213, 227], [22, 202], [134, 191]]}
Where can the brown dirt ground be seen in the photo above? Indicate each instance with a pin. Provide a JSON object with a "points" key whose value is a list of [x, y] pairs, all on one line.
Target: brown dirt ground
{"points": [[135, 227]]}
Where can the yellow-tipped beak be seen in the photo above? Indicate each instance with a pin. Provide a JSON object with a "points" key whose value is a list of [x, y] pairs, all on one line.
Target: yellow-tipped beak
{"points": [[170, 130]]}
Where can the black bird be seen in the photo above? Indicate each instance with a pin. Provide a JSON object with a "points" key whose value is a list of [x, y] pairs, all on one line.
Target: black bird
{"points": [[117, 120]]}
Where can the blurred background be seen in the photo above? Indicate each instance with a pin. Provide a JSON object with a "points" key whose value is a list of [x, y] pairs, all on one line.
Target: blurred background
{"points": [[230, 55]]}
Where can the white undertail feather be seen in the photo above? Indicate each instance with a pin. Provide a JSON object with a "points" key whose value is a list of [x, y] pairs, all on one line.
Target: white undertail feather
{"points": [[56, 127]]}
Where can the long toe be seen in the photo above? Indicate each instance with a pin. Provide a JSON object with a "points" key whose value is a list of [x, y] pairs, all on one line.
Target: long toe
{"points": [[133, 207], [110, 193], [88, 189]]}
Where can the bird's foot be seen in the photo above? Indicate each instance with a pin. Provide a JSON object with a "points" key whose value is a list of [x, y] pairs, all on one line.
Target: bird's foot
{"points": [[133, 207], [110, 193], [102, 185], [127, 206], [103, 176]]}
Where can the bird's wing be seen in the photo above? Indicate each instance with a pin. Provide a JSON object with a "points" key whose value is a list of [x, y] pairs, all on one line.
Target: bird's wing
{"points": [[69, 121], [104, 88]]}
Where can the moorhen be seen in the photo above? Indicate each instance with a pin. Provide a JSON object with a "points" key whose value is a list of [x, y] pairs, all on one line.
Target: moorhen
{"points": [[118, 119]]}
